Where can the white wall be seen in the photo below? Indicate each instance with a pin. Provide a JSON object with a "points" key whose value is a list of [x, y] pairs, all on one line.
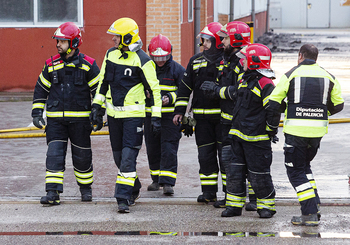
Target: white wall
{"points": [[340, 15], [242, 8]]}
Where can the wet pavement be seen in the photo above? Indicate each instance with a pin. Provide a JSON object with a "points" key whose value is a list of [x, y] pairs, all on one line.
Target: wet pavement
{"points": [[22, 181]]}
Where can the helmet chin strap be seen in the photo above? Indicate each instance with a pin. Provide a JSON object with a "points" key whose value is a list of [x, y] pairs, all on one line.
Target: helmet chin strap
{"points": [[69, 50]]}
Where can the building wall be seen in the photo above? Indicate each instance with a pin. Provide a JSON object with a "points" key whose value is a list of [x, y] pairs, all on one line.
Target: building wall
{"points": [[26, 49], [164, 17]]}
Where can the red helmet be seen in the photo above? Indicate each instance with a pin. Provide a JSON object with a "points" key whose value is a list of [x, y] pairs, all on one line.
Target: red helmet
{"points": [[160, 48], [69, 31], [211, 30], [258, 56], [238, 31]]}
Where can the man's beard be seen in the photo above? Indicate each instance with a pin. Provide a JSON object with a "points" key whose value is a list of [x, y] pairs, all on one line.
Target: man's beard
{"points": [[228, 50]]}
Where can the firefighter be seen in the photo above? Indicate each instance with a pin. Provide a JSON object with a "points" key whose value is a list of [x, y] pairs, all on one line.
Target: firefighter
{"points": [[65, 85], [206, 109], [126, 73], [236, 35], [163, 162], [254, 124], [312, 94]]}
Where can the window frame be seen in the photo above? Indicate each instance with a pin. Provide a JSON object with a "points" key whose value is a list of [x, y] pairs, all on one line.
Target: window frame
{"points": [[35, 23], [190, 7]]}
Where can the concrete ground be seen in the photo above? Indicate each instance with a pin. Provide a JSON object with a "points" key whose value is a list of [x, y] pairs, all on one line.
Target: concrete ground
{"points": [[22, 181]]}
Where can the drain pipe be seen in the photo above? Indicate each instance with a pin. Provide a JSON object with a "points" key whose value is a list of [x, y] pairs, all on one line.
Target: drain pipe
{"points": [[253, 20], [197, 25], [267, 16], [232, 8]]}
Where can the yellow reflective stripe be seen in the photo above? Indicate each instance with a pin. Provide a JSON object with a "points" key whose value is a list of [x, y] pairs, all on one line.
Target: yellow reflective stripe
{"points": [[44, 81], [305, 123], [237, 69], [154, 172], [127, 108], [52, 174], [247, 137], [38, 105], [93, 81], [226, 116], [57, 67], [84, 175], [266, 100], [99, 99], [155, 109], [197, 66], [234, 201], [209, 182], [85, 67], [202, 176], [305, 195], [168, 109], [70, 65], [148, 109], [206, 111], [266, 203], [181, 103], [168, 88], [85, 181], [54, 180], [125, 181], [173, 95], [303, 187], [222, 93], [168, 174], [256, 91], [68, 113], [240, 76]]}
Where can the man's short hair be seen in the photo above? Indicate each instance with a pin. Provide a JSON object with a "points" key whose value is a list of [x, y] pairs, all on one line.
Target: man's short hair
{"points": [[309, 51]]}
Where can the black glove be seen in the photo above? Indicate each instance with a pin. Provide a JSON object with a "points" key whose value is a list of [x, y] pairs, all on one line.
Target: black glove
{"points": [[156, 125], [96, 117], [210, 87], [38, 120], [187, 125], [273, 136]]}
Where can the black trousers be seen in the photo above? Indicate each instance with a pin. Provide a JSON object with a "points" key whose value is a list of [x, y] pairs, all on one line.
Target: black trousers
{"points": [[208, 140], [162, 150], [58, 131], [126, 136], [299, 152]]}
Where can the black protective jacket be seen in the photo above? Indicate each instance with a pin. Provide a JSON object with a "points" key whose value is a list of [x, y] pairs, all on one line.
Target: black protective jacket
{"points": [[66, 87]]}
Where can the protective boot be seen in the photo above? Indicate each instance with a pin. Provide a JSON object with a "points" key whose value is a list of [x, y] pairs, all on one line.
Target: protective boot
{"points": [[51, 198], [153, 187], [123, 206], [86, 194], [266, 213], [168, 190], [220, 203], [133, 198], [251, 206], [307, 220], [231, 211], [207, 197]]}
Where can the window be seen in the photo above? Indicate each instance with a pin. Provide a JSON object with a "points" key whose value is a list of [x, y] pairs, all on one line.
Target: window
{"points": [[40, 13], [190, 10]]}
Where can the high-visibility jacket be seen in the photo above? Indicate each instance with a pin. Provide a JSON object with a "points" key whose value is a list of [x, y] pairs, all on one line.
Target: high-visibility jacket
{"points": [[65, 86], [231, 71], [312, 94], [252, 115], [169, 76], [198, 70], [124, 78]]}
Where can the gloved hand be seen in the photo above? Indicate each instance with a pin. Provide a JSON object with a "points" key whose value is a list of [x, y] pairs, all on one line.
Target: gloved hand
{"points": [[156, 125], [187, 125], [273, 136], [96, 117], [210, 89], [38, 120]]}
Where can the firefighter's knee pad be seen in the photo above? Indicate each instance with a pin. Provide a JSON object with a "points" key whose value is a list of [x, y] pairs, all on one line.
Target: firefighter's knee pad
{"points": [[56, 155], [82, 157], [226, 154], [262, 185], [128, 159]]}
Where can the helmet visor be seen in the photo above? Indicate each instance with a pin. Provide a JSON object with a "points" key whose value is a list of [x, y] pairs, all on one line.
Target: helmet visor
{"points": [[267, 73], [222, 33], [160, 58]]}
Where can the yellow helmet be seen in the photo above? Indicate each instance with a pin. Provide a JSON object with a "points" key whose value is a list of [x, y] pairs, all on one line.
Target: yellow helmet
{"points": [[126, 28]]}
